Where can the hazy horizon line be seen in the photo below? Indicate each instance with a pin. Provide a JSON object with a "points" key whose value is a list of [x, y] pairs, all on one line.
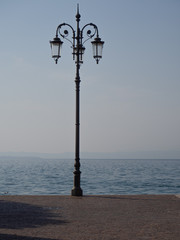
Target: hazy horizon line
{"points": [[166, 154]]}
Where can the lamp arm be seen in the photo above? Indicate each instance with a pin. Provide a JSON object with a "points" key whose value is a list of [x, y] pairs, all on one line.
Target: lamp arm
{"points": [[65, 34], [89, 33]]}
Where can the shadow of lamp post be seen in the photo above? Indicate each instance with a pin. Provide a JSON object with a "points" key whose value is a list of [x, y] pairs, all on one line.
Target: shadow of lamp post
{"points": [[78, 51]]}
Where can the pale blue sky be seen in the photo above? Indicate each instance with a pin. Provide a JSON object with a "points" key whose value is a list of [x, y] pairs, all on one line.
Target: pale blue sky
{"points": [[129, 102]]}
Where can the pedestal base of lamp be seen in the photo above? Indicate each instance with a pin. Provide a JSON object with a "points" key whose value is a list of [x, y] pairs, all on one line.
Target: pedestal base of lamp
{"points": [[76, 192]]}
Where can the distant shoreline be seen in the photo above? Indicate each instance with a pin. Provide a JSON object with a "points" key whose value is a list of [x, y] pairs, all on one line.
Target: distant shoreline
{"points": [[84, 159], [98, 155]]}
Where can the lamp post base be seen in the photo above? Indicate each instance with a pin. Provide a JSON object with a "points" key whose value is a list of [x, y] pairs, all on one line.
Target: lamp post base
{"points": [[76, 192]]}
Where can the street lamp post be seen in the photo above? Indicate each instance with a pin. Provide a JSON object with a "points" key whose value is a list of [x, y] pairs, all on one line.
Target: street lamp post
{"points": [[78, 51]]}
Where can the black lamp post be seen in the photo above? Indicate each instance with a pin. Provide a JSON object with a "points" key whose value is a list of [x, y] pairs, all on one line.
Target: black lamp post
{"points": [[78, 51]]}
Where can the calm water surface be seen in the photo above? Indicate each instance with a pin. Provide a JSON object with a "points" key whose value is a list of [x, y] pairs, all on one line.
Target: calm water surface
{"points": [[45, 176]]}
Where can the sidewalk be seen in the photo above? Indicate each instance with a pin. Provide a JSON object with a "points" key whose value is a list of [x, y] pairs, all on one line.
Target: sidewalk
{"points": [[103, 217]]}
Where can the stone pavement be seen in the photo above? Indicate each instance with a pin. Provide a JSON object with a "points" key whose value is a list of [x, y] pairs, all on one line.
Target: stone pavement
{"points": [[103, 217]]}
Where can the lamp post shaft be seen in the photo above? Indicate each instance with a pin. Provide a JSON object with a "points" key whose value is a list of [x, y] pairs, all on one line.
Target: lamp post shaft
{"points": [[77, 191]]}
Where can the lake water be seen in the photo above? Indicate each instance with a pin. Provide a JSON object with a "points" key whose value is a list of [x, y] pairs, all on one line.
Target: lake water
{"points": [[44, 176]]}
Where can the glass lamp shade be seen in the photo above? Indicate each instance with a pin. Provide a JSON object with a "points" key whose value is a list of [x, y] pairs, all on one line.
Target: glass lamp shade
{"points": [[97, 45], [56, 45]]}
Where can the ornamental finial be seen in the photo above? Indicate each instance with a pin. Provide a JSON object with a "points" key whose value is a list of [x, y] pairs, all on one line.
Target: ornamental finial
{"points": [[78, 8], [78, 15]]}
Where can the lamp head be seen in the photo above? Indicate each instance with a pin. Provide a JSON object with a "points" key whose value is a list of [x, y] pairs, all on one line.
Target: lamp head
{"points": [[97, 45], [56, 45]]}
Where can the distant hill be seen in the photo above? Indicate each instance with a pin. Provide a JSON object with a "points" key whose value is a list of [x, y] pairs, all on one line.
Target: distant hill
{"points": [[97, 155]]}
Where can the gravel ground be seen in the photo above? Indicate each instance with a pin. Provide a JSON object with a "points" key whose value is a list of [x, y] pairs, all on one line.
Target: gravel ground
{"points": [[103, 217]]}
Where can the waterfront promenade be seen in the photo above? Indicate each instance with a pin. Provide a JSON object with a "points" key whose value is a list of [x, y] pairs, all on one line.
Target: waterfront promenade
{"points": [[103, 217]]}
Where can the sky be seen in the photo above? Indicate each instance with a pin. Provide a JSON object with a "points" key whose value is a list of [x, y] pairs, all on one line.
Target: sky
{"points": [[129, 101]]}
